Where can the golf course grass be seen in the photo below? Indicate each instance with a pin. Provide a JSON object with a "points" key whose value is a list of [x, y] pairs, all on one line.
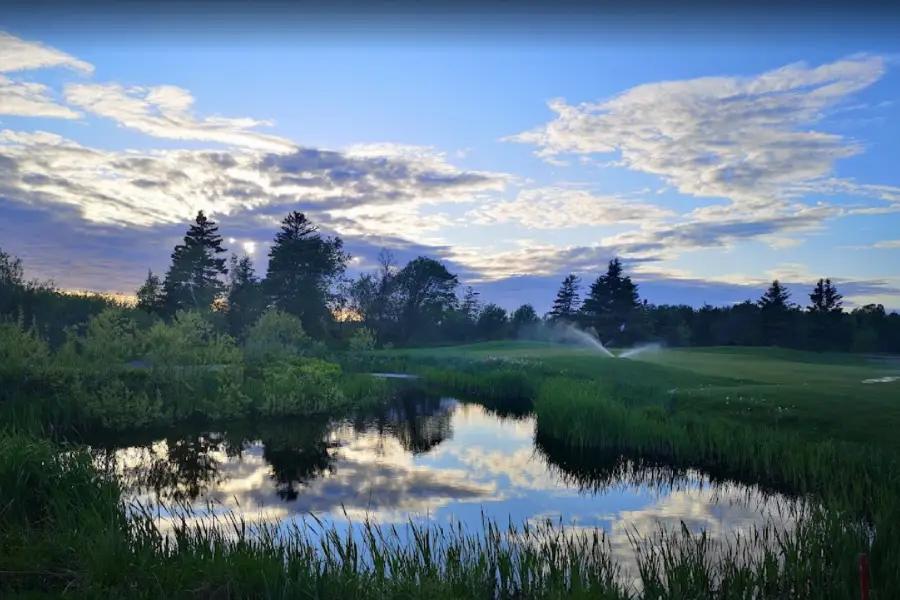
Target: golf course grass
{"points": [[816, 395]]}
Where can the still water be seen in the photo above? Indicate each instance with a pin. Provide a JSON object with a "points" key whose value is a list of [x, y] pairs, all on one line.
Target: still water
{"points": [[426, 458]]}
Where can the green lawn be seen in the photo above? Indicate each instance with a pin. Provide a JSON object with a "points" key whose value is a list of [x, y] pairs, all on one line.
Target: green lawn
{"points": [[816, 395]]}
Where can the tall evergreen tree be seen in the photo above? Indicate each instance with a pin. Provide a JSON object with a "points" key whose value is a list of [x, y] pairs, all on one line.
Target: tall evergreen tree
{"points": [[565, 307], [825, 298], [151, 297], [246, 301], [775, 307], [612, 304], [826, 310], [194, 279], [303, 266]]}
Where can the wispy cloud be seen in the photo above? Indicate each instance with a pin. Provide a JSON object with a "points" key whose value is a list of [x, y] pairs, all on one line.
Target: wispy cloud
{"points": [[165, 112], [28, 99], [563, 208]]}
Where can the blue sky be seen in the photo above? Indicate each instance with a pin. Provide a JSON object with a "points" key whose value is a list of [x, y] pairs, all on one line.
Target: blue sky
{"points": [[709, 166]]}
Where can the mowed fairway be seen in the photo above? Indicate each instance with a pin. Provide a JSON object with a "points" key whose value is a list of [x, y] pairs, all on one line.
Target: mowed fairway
{"points": [[814, 395]]}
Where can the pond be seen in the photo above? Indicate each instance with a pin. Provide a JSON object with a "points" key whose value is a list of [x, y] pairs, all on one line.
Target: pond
{"points": [[426, 457]]}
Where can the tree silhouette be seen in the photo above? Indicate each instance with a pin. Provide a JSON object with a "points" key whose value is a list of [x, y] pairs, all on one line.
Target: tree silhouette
{"points": [[523, 316], [565, 307], [775, 307], [194, 279], [426, 293], [612, 303], [246, 301], [303, 265], [493, 322], [825, 308], [151, 296]]}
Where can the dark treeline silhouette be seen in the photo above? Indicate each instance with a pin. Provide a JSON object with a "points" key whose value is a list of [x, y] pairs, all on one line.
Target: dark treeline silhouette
{"points": [[423, 303]]}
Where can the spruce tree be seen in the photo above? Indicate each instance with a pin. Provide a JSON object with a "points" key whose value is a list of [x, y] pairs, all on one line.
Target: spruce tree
{"points": [[775, 308], [194, 279], [612, 303], [565, 306], [826, 310], [303, 266], [246, 301], [150, 296]]}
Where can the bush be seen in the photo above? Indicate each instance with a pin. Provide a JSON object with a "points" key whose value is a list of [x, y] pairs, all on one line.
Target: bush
{"points": [[306, 386], [275, 336], [110, 338], [362, 340], [22, 349], [189, 340]]}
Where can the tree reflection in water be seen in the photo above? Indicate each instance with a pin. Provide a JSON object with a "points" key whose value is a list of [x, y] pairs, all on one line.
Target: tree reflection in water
{"points": [[185, 466]]}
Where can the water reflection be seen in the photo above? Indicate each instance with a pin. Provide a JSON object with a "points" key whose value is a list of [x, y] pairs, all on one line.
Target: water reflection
{"points": [[429, 457]]}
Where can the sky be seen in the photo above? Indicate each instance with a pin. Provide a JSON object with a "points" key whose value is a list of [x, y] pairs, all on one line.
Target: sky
{"points": [[709, 165]]}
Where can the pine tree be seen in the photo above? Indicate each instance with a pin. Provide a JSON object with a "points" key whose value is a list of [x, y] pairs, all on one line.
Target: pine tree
{"points": [[825, 298], [565, 307], [303, 265], [194, 279], [826, 310], [775, 308], [246, 301], [612, 304], [150, 296]]}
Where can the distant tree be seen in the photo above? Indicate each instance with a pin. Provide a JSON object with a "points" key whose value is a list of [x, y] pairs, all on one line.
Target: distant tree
{"points": [[372, 297], [871, 328], [246, 300], [493, 322], [470, 308], [11, 271], [826, 310], [613, 304], [303, 266], [426, 293], [565, 307], [523, 316], [151, 297], [775, 308], [194, 279]]}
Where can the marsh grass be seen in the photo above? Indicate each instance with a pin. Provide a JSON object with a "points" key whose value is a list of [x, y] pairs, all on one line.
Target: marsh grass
{"points": [[64, 531]]}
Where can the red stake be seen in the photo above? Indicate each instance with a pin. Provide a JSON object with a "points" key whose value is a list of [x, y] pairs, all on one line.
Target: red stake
{"points": [[864, 576]]}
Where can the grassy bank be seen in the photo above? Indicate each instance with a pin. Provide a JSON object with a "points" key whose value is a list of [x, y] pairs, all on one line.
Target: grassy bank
{"points": [[64, 531]]}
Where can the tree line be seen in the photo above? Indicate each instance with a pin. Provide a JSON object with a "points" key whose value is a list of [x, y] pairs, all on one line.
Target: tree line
{"points": [[423, 303], [614, 309]]}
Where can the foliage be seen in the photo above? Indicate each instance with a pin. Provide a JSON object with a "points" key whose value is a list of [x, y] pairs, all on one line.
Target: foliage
{"points": [[194, 279], [302, 267], [21, 347], [189, 340], [246, 300], [524, 316], [362, 340], [565, 307], [306, 386], [111, 337], [612, 305], [426, 294], [151, 296], [276, 335]]}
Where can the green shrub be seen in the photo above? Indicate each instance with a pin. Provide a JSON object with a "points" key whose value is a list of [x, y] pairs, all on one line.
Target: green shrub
{"points": [[189, 340], [307, 386], [362, 340], [110, 337], [276, 335], [22, 349]]}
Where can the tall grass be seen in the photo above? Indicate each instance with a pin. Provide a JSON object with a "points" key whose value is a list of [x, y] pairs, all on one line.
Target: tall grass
{"points": [[63, 531]]}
